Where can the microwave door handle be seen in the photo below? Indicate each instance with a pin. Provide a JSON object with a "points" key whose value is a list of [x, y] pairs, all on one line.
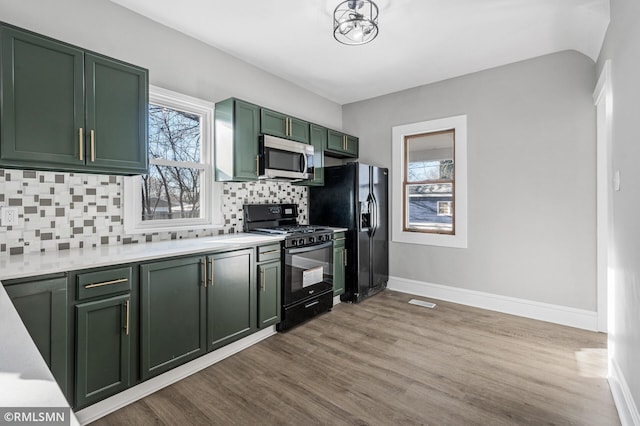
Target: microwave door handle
{"points": [[303, 163]]}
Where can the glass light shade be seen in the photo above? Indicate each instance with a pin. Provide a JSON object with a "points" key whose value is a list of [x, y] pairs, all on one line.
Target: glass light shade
{"points": [[355, 22]]}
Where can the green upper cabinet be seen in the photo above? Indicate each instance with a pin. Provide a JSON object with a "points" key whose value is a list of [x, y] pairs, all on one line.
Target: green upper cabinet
{"points": [[116, 110], [231, 297], [172, 314], [341, 145], [69, 110], [237, 126], [318, 136], [42, 306], [277, 124]]}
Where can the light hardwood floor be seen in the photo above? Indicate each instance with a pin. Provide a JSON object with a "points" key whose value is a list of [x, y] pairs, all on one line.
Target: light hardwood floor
{"points": [[385, 362]]}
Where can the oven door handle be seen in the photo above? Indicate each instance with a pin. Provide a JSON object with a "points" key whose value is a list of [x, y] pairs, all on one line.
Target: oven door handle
{"points": [[309, 248]]}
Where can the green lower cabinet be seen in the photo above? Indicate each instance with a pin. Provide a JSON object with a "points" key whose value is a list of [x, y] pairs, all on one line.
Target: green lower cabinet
{"points": [[269, 304], [102, 349], [339, 263], [231, 297], [172, 314], [42, 306]]}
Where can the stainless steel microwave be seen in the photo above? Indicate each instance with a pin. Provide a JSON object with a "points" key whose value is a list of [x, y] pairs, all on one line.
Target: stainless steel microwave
{"points": [[284, 159]]}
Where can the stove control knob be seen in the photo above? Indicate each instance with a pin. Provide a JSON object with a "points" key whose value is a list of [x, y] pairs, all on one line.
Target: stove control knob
{"points": [[312, 240], [301, 241], [294, 242]]}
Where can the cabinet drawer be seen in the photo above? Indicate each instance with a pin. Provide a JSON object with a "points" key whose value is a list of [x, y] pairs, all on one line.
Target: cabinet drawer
{"points": [[339, 239], [101, 283], [270, 252]]}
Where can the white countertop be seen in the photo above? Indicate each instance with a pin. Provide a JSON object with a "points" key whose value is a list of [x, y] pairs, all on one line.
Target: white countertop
{"points": [[25, 379], [32, 264], [336, 229]]}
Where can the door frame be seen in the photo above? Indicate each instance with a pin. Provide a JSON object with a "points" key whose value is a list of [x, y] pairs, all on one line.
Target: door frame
{"points": [[602, 97]]}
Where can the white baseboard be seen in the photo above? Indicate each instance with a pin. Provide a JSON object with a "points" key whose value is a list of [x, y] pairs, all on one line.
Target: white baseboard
{"points": [[336, 300], [578, 318], [627, 408], [111, 404]]}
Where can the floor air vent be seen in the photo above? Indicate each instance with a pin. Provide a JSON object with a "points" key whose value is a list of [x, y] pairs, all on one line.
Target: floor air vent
{"points": [[422, 303]]}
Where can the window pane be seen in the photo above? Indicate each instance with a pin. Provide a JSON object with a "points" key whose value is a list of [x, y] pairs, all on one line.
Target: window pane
{"points": [[430, 207], [173, 134], [430, 156], [171, 193]]}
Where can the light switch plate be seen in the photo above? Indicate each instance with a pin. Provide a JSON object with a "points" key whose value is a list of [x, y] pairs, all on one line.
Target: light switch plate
{"points": [[616, 181], [8, 216]]}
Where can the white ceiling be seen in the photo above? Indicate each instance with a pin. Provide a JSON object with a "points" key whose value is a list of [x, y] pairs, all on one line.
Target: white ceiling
{"points": [[420, 41]]}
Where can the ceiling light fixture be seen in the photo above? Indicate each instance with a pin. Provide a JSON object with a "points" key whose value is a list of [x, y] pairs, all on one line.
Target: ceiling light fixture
{"points": [[355, 22]]}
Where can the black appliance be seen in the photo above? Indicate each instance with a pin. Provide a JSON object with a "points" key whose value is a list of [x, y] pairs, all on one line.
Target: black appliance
{"points": [[355, 196], [307, 278]]}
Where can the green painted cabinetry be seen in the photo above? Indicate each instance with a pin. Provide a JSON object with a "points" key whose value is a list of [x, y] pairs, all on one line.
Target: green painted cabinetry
{"points": [[237, 126], [339, 263], [231, 297], [269, 285], [70, 110], [341, 145], [102, 348], [42, 306], [318, 138], [281, 125], [172, 313]]}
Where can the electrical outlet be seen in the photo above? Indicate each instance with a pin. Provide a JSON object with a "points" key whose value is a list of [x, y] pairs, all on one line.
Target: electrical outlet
{"points": [[9, 216]]}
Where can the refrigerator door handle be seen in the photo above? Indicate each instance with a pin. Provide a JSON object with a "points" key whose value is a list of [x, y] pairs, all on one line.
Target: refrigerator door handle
{"points": [[374, 215]]}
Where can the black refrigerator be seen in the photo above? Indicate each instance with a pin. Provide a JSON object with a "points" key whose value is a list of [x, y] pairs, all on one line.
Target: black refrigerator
{"points": [[355, 196]]}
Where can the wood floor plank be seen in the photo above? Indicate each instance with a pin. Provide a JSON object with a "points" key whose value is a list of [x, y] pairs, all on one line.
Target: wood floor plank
{"points": [[384, 362]]}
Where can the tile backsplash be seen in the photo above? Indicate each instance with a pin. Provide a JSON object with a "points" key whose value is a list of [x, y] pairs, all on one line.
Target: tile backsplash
{"points": [[58, 211]]}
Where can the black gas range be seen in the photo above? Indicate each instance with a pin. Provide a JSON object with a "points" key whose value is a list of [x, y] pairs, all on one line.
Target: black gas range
{"points": [[307, 277]]}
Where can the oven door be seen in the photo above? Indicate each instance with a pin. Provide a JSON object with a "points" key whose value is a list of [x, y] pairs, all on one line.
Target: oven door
{"points": [[308, 272]]}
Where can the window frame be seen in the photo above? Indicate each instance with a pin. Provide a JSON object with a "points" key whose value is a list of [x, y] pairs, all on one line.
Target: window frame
{"points": [[406, 183], [210, 191], [459, 193]]}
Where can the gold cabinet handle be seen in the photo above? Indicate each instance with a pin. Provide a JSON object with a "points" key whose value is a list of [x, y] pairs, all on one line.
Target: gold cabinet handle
{"points": [[340, 239], [344, 255], [263, 285], [270, 252], [92, 134], [211, 271], [288, 126], [126, 324], [81, 142], [203, 269], [118, 281], [344, 142]]}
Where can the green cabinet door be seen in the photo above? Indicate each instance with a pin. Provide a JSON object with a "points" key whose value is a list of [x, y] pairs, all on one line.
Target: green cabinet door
{"points": [[117, 111], [318, 138], [278, 124], [341, 145], [42, 114], [269, 279], [339, 263], [172, 314], [237, 126], [231, 297], [42, 306], [102, 349]]}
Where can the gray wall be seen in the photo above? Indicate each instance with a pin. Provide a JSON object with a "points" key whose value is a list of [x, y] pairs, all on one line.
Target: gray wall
{"points": [[531, 168], [622, 45], [175, 61]]}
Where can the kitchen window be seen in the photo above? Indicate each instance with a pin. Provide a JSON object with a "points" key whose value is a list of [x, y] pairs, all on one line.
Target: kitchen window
{"points": [[429, 191], [179, 192]]}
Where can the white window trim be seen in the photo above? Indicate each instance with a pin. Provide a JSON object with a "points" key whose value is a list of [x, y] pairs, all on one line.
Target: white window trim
{"points": [[459, 240], [210, 191]]}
